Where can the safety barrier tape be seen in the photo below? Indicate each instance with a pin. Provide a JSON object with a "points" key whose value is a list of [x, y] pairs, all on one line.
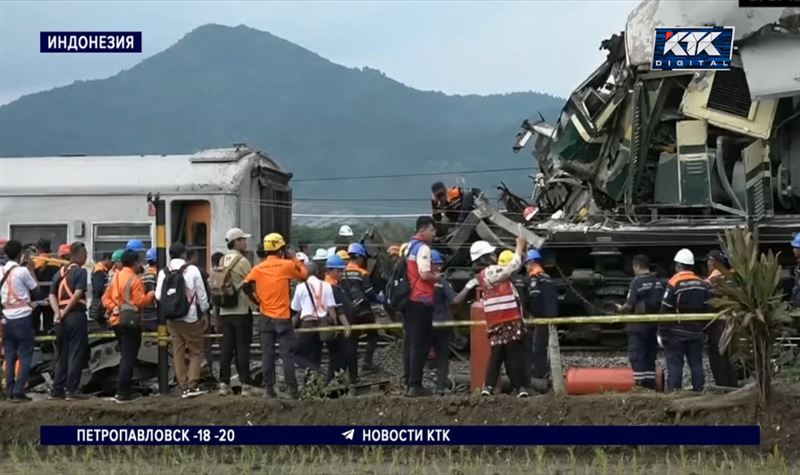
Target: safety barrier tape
{"points": [[594, 319]]}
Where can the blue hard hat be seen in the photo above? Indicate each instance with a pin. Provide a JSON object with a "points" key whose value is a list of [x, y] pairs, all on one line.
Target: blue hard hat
{"points": [[134, 245], [436, 257], [533, 255], [334, 262], [796, 241], [151, 255], [357, 249]]}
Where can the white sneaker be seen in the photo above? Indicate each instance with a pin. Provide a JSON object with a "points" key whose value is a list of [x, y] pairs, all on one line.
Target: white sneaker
{"points": [[224, 389], [194, 392]]}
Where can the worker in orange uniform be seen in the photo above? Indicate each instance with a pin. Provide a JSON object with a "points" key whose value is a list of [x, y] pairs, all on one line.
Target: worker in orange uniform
{"points": [[270, 282], [125, 293], [503, 312]]}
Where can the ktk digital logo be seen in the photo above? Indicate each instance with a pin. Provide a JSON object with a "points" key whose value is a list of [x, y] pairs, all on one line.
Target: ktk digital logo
{"points": [[693, 48]]}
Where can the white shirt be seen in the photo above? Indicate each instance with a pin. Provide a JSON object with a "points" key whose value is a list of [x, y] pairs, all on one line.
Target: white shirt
{"points": [[195, 288], [23, 282], [323, 297]]}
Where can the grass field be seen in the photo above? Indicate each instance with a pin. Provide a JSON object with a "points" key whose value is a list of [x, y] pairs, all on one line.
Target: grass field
{"points": [[32, 459]]}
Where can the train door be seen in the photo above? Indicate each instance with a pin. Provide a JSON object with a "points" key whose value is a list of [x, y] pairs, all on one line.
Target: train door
{"points": [[190, 223]]}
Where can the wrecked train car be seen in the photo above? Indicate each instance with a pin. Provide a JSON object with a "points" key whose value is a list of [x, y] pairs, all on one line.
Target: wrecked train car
{"points": [[645, 161]]}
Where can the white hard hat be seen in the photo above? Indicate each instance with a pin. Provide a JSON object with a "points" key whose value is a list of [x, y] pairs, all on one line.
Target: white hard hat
{"points": [[480, 249], [345, 231], [685, 257], [331, 251], [320, 255], [302, 257]]}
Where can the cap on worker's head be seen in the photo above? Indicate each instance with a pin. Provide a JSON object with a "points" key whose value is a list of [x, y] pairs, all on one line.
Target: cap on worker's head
{"points": [[320, 255], [273, 242], [796, 241], [436, 257], [134, 245], [685, 257], [533, 255], [529, 213], [718, 256], [479, 249], [357, 249], [63, 250], [234, 234], [334, 262], [151, 255], [505, 258], [345, 231], [116, 256], [302, 257], [393, 250], [344, 255]]}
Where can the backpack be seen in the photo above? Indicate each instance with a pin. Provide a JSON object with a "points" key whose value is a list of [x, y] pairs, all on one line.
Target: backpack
{"points": [[174, 301], [223, 292], [398, 289]]}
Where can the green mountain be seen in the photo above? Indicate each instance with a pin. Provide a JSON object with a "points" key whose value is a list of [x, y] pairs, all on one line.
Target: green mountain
{"points": [[221, 85]]}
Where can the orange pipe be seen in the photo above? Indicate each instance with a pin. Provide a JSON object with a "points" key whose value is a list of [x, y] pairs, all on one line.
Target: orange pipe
{"points": [[596, 380], [479, 347]]}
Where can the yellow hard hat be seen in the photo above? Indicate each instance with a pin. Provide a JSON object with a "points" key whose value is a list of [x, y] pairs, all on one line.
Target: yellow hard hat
{"points": [[273, 242], [343, 254], [505, 258]]}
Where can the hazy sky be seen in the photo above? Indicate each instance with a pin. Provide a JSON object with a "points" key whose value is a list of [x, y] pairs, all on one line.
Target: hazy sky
{"points": [[455, 47]]}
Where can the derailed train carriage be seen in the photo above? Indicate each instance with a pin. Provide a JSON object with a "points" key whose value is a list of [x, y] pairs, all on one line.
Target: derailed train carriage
{"points": [[102, 201], [648, 162]]}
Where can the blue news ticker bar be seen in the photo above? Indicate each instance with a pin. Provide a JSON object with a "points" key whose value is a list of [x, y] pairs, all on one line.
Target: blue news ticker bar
{"points": [[411, 435]]}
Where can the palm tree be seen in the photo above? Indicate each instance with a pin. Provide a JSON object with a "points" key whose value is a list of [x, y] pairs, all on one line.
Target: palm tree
{"points": [[751, 301]]}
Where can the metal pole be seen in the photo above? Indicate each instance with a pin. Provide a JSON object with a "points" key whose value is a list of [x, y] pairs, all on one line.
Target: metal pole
{"points": [[161, 263]]}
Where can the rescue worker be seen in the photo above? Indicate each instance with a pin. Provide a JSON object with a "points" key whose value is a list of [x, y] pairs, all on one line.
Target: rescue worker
{"points": [[100, 281], [358, 285], [418, 312], [454, 203], [45, 271], [796, 288], [17, 281], [644, 297], [721, 367], [236, 321], [149, 280], [686, 293], [270, 281], [542, 302], [116, 261], [126, 288], [313, 306], [344, 357], [68, 301], [504, 324], [443, 297]]}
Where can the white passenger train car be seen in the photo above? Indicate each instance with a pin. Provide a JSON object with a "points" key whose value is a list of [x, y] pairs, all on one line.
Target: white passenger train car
{"points": [[102, 200]]}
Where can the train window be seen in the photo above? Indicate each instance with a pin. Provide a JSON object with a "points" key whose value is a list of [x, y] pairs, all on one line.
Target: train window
{"points": [[112, 236], [30, 233]]}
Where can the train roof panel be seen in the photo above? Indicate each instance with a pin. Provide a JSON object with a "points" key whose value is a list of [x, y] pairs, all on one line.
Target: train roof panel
{"points": [[208, 171]]}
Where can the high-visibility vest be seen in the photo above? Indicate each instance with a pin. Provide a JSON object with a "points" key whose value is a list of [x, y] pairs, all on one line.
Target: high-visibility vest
{"points": [[12, 299], [500, 303], [65, 293]]}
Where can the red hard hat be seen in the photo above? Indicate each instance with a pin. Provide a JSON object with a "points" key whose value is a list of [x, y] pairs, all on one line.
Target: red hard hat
{"points": [[63, 250]]}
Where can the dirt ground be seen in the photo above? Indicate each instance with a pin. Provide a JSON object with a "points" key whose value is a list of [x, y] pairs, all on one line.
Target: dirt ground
{"points": [[780, 426]]}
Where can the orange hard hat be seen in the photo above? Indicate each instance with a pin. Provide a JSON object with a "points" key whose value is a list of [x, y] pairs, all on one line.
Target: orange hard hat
{"points": [[453, 193], [63, 250]]}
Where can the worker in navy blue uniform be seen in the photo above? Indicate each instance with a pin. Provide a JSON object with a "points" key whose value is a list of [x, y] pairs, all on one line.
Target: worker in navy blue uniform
{"points": [[796, 289], [644, 297], [542, 302], [721, 367], [68, 301], [686, 293], [362, 293]]}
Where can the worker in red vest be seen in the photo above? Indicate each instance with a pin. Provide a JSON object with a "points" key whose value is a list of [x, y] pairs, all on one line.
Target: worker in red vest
{"points": [[503, 313]]}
